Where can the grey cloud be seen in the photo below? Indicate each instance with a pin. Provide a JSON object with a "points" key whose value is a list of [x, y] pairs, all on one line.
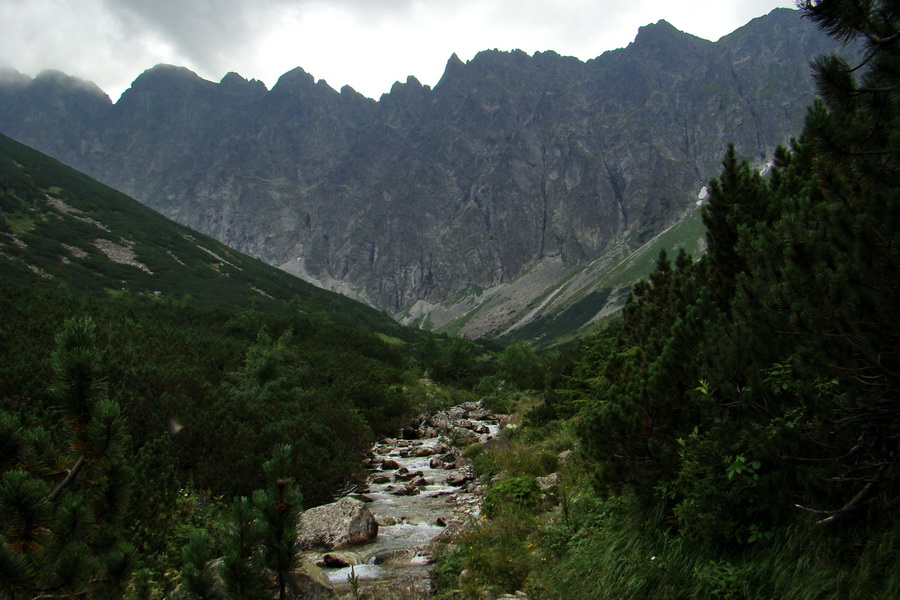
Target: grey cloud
{"points": [[210, 33], [203, 32]]}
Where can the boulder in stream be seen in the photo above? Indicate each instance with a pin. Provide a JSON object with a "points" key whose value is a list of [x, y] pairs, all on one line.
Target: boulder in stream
{"points": [[406, 490], [340, 524], [309, 582], [458, 478]]}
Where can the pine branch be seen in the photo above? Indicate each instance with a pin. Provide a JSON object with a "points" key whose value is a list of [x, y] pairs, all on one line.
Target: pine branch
{"points": [[73, 473], [854, 503]]}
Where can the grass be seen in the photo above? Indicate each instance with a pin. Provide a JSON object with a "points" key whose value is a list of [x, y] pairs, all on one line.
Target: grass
{"points": [[609, 283], [183, 262]]}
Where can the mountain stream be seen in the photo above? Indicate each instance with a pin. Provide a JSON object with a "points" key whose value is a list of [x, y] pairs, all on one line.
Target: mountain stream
{"points": [[421, 492]]}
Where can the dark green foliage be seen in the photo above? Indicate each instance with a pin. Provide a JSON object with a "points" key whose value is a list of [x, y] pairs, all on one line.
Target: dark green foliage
{"points": [[259, 546], [243, 568], [279, 506], [62, 527], [198, 574], [737, 200], [520, 491], [751, 398], [642, 370], [521, 367]]}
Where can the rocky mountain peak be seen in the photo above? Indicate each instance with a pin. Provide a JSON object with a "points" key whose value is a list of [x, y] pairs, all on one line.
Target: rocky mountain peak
{"points": [[167, 77], [512, 161], [56, 82], [235, 85], [453, 73], [662, 30], [295, 79], [10, 78]]}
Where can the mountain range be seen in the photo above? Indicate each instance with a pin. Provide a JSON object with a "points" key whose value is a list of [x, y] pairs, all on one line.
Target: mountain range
{"points": [[501, 197]]}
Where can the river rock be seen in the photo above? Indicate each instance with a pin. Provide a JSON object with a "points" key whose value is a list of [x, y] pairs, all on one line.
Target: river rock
{"points": [[480, 414], [429, 432], [379, 479], [406, 475], [340, 524], [439, 421], [403, 556], [463, 436], [406, 490], [389, 465], [496, 443], [309, 582], [456, 413], [458, 478]]}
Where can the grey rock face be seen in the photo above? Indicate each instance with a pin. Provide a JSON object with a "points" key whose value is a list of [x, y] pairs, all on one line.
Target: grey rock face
{"points": [[508, 160], [341, 524]]}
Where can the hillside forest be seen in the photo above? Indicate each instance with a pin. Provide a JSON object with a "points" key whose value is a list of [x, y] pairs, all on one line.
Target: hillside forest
{"points": [[733, 434]]}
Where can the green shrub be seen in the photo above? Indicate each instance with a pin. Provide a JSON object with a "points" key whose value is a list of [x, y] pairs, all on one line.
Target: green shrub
{"points": [[500, 554], [522, 492]]}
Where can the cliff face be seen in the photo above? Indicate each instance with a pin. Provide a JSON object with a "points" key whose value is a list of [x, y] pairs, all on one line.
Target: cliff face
{"points": [[511, 159]]}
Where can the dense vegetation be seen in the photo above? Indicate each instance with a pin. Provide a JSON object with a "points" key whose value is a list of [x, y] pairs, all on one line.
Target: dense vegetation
{"points": [[140, 396], [739, 426]]}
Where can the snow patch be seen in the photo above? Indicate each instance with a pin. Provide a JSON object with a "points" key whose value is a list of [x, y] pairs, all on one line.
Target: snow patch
{"points": [[702, 195]]}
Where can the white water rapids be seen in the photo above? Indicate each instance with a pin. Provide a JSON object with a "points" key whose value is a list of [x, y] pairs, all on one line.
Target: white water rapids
{"points": [[409, 524]]}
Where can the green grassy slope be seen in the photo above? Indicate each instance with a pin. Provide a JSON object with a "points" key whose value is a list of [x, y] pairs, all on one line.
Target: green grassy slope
{"points": [[598, 290], [62, 231]]}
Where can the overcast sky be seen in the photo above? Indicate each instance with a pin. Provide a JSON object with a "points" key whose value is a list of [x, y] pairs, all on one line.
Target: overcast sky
{"points": [[367, 44]]}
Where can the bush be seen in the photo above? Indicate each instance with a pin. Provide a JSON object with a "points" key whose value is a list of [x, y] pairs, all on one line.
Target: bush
{"points": [[522, 492], [500, 554]]}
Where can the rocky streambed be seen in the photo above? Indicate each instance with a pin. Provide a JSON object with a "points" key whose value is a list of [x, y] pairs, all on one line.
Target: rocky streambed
{"points": [[420, 493]]}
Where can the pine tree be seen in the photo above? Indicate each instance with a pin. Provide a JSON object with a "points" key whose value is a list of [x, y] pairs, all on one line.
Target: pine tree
{"points": [[818, 298], [279, 506], [260, 548], [243, 567], [737, 200], [62, 526]]}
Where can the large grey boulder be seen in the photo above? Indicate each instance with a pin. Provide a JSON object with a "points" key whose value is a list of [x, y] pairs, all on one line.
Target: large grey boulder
{"points": [[341, 524], [309, 582]]}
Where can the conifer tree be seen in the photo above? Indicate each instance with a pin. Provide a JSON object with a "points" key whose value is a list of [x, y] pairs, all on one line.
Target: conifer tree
{"points": [[737, 200], [824, 282], [61, 526], [260, 548], [279, 506], [243, 567]]}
